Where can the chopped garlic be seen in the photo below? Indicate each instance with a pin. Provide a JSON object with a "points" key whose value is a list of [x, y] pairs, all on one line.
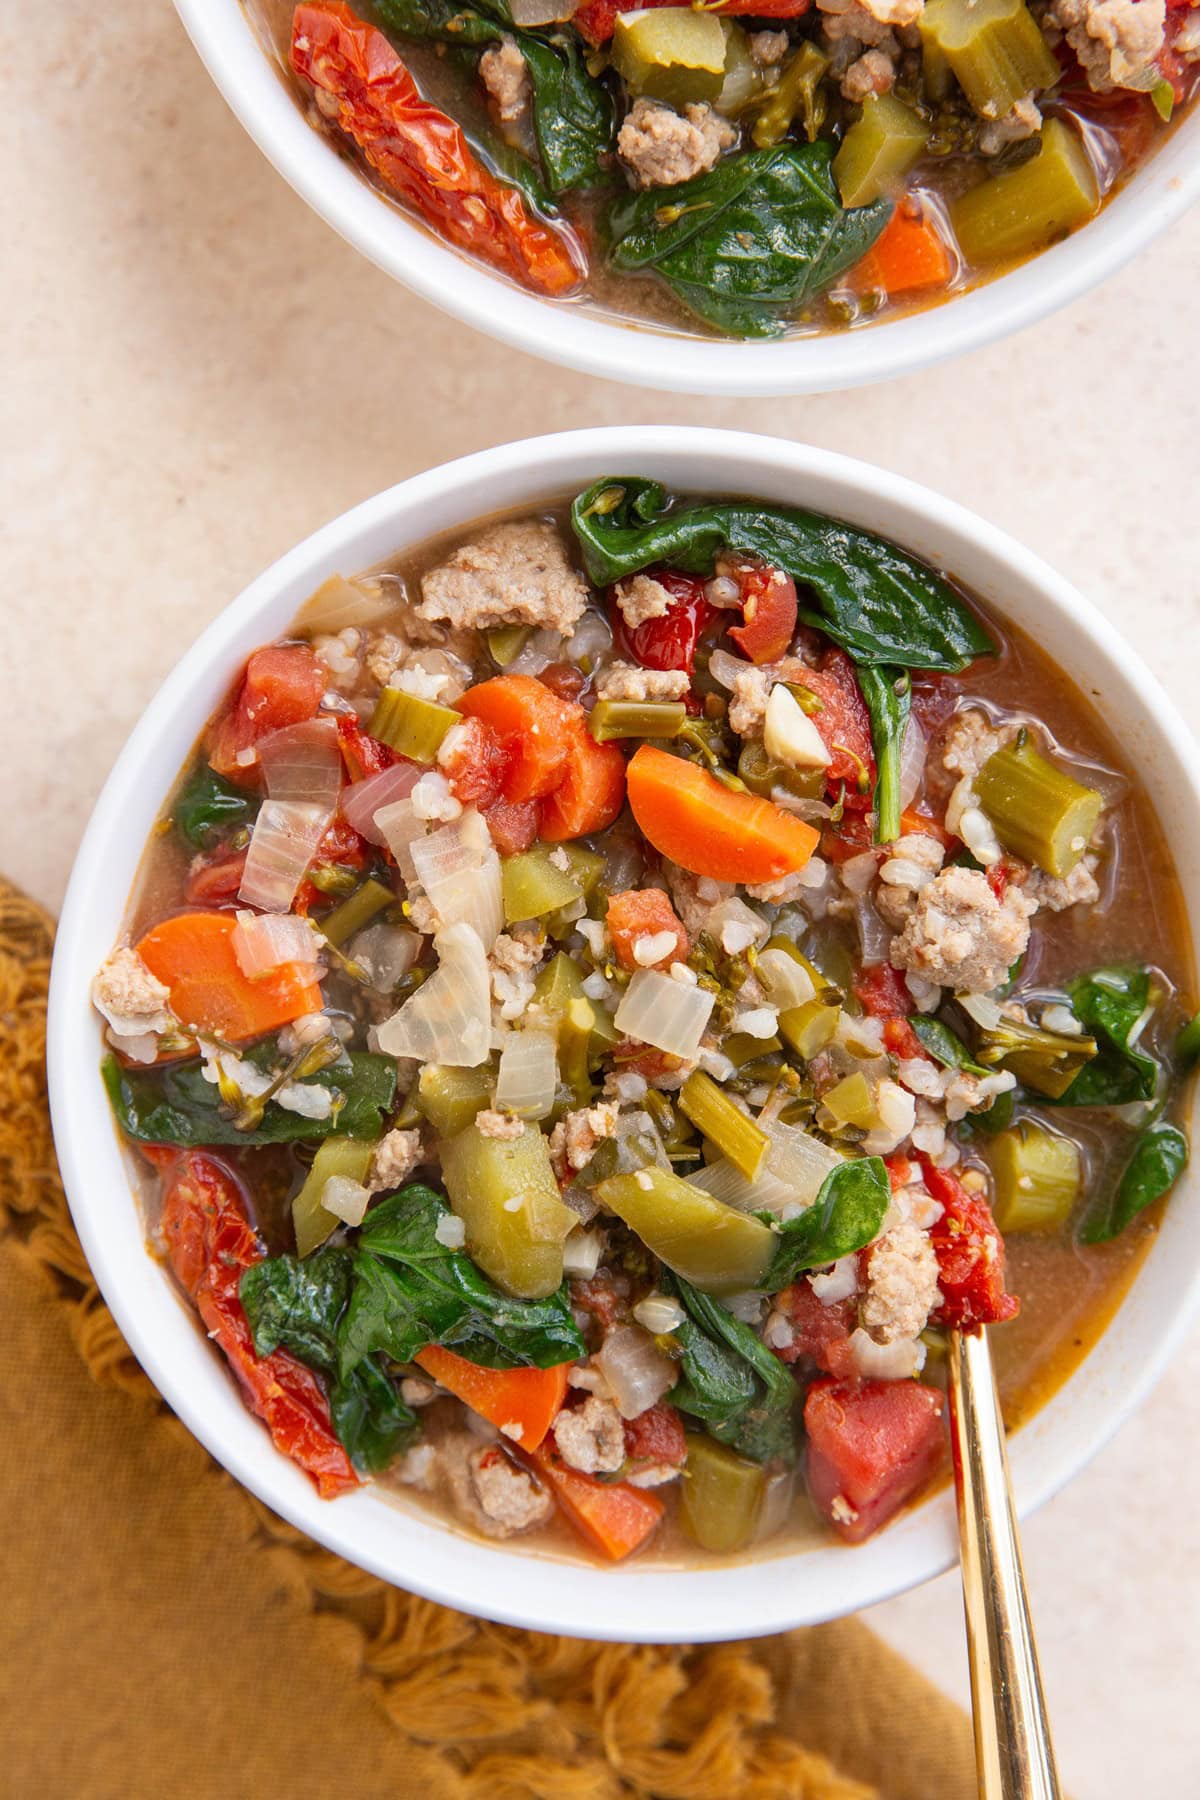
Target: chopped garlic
{"points": [[789, 735]]}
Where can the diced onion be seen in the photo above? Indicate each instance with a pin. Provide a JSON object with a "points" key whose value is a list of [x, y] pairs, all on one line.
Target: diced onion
{"points": [[338, 603], [839, 1283], [449, 1018], [725, 668], [385, 953], [282, 844], [460, 872], [636, 1370], [592, 636], [263, 942], [539, 650], [303, 764], [788, 983], [528, 1077], [874, 936], [912, 761], [725, 1182], [362, 800], [736, 926], [659, 1313], [667, 1014], [984, 1010], [799, 1160], [345, 1199], [581, 1253], [400, 828]]}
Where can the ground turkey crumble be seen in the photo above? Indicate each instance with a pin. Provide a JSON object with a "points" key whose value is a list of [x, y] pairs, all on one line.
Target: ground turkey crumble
{"points": [[959, 935], [752, 689], [661, 147], [492, 1124], [574, 1139], [641, 598], [132, 999], [502, 1498], [516, 573], [626, 681], [1118, 42], [505, 75], [902, 1277], [1057, 892], [591, 1437], [396, 1156]]}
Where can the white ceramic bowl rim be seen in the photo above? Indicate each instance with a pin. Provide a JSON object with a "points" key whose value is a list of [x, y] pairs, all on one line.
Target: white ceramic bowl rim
{"points": [[582, 338], [640, 1601]]}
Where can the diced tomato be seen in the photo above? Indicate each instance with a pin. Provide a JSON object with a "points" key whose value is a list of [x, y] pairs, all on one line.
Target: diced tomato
{"points": [[213, 881], [598, 1295], [853, 835], [514, 824], [934, 698], [900, 1171], [362, 754], [882, 991], [635, 1058], [644, 912], [998, 879], [768, 610], [210, 1243], [656, 1438], [970, 1254], [820, 1333], [870, 1447], [533, 726], [845, 725], [596, 19], [668, 642], [590, 791], [283, 685], [475, 764], [902, 1040], [563, 679]]}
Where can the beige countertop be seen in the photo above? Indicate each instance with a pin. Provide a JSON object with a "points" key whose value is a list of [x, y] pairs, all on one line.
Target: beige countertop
{"points": [[198, 373]]}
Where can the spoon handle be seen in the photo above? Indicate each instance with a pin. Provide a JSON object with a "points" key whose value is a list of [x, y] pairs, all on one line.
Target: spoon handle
{"points": [[1013, 1752]]}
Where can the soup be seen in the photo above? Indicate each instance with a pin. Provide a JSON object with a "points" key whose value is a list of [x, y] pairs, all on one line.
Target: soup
{"points": [[614, 988], [793, 168]]}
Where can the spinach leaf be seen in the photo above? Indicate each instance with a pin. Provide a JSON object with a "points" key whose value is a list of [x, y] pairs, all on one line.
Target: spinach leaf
{"points": [[411, 1290], [881, 604], [845, 1216], [208, 806], [888, 696], [741, 1393], [995, 1118], [1110, 1004], [295, 1305], [746, 245], [175, 1105], [1158, 1159], [945, 1046], [573, 114]]}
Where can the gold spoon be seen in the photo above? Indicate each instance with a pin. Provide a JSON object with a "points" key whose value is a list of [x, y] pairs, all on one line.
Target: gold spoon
{"points": [[1014, 1756]]}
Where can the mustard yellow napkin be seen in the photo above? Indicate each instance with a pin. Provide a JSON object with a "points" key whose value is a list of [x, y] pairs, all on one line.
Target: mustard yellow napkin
{"points": [[163, 1634]]}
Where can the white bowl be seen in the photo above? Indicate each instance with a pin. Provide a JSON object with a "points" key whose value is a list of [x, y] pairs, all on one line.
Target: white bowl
{"points": [[640, 1602], [582, 337]]}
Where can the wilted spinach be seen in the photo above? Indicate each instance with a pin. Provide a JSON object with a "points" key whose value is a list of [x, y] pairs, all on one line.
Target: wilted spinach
{"points": [[844, 1217], [945, 1046], [208, 807], [1112, 1004], [573, 114], [746, 245], [296, 1305], [1157, 1160], [881, 604], [409, 1290], [740, 1392], [176, 1105], [888, 696]]}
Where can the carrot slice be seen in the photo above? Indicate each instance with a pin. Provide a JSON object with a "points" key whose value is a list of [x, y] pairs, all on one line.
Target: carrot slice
{"points": [[909, 256], [193, 955], [614, 1517], [534, 726], [522, 1403], [712, 830], [591, 791]]}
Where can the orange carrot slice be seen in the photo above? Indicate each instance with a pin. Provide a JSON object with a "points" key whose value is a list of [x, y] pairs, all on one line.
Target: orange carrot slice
{"points": [[522, 1403], [193, 955], [688, 815], [615, 1517]]}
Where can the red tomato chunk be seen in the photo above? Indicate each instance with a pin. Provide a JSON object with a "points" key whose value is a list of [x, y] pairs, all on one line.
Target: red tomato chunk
{"points": [[870, 1447], [970, 1253]]}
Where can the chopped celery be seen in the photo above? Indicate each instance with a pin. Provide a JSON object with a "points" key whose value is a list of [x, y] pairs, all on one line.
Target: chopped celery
{"points": [[711, 1245], [722, 1499], [994, 48], [347, 1157], [851, 1102], [1046, 1061], [807, 1028], [587, 866], [504, 1191], [534, 885], [762, 775], [636, 718], [1038, 811], [798, 90], [673, 54], [1038, 1178], [878, 150], [557, 985], [411, 726], [356, 911], [1023, 209], [575, 1032], [742, 1049], [506, 642], [745, 77], [724, 1123], [450, 1098], [1187, 1044]]}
